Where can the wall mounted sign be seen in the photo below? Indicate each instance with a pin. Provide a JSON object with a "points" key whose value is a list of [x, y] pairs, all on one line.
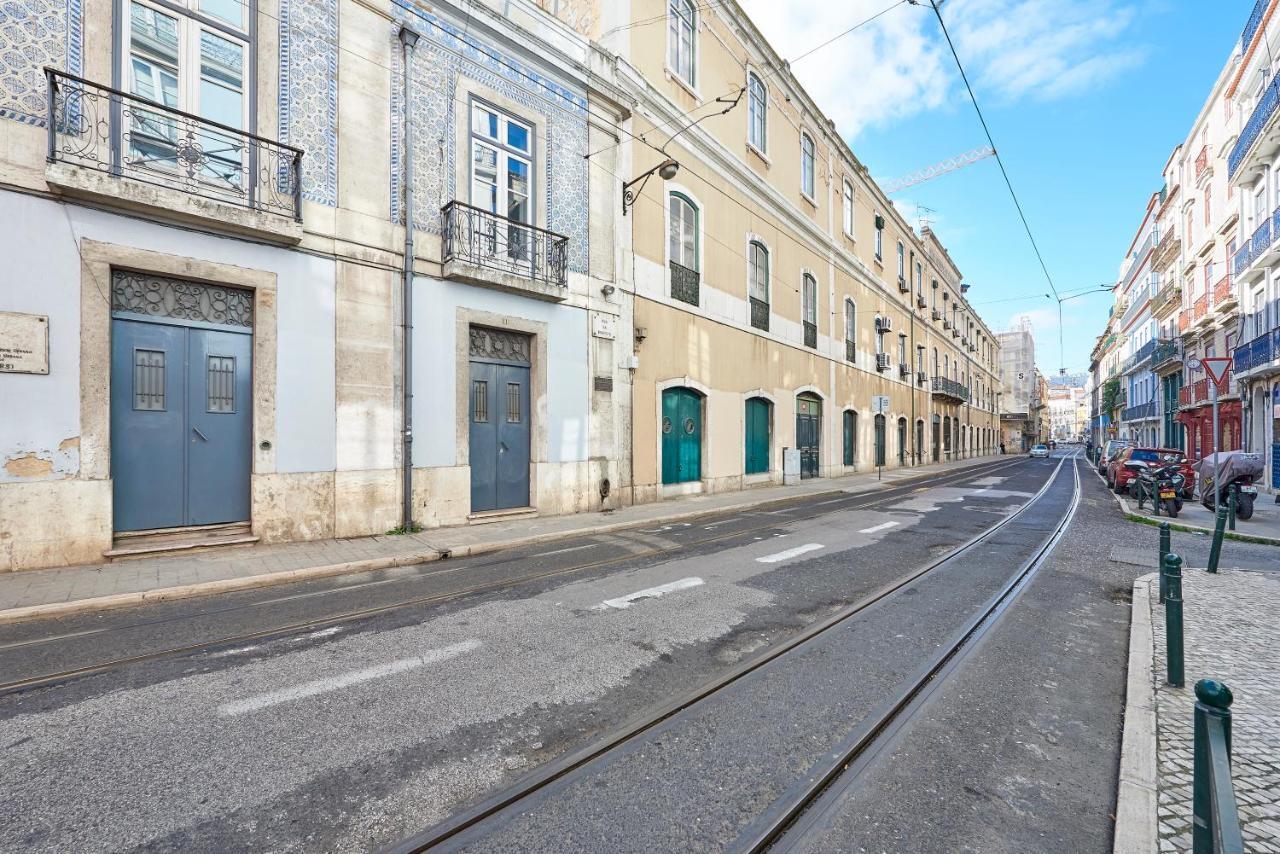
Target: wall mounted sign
{"points": [[24, 343]]}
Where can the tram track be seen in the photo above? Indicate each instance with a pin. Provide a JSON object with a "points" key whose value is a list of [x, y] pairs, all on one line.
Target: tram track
{"points": [[854, 502], [771, 826]]}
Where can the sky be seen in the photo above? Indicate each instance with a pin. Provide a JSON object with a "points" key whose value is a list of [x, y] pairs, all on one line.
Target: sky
{"points": [[1086, 99]]}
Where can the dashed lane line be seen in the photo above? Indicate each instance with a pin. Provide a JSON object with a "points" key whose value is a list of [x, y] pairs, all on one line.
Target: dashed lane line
{"points": [[882, 527], [650, 593], [790, 553]]}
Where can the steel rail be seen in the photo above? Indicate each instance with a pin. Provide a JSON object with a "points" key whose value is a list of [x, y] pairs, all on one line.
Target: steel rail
{"points": [[816, 798], [576, 761], [881, 496]]}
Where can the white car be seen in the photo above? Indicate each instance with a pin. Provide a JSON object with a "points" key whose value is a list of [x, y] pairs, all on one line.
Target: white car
{"points": [[1040, 451]]}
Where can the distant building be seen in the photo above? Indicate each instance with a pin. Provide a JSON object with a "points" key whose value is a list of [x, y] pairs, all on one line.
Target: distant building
{"points": [[1022, 383]]}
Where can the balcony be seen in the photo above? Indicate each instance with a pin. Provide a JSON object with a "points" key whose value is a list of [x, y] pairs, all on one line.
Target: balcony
{"points": [[1202, 162], [1200, 309], [1251, 26], [484, 248], [1198, 394], [130, 152], [685, 284], [1224, 297], [1258, 139], [760, 314], [1184, 320], [1139, 412], [1140, 357], [1168, 297], [1166, 250], [1167, 354], [1257, 355], [950, 390]]}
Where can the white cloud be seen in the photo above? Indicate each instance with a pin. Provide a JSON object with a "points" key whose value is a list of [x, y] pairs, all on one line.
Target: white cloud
{"points": [[898, 66]]}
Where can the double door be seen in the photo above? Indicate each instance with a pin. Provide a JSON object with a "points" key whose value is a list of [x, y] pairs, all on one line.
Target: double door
{"points": [[499, 436], [808, 434], [181, 428], [682, 436]]}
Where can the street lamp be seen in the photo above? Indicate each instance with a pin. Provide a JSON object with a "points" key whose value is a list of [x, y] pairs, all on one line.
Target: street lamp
{"points": [[666, 170], [1062, 358]]}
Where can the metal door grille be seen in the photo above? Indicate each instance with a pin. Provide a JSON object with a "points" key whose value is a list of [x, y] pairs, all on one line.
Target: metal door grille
{"points": [[148, 380], [221, 384]]}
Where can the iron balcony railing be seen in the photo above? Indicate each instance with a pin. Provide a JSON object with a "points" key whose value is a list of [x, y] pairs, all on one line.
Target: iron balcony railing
{"points": [[1251, 26], [685, 283], [1139, 357], [760, 314], [1165, 353], [1142, 410], [1261, 115], [101, 128], [1259, 352], [945, 387], [810, 334], [1263, 236], [476, 236], [1202, 161]]}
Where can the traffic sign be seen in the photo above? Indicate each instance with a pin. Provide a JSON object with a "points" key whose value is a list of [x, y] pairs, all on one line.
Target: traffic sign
{"points": [[880, 403], [1217, 367], [1193, 364]]}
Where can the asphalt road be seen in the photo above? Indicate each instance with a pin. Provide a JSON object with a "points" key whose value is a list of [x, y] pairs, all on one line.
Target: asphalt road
{"points": [[351, 735]]}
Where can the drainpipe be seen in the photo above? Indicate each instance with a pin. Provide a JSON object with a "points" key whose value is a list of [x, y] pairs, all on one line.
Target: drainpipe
{"points": [[408, 38]]}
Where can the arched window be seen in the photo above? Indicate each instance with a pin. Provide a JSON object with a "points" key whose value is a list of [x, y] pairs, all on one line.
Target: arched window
{"points": [[683, 248], [850, 330], [850, 437], [809, 309], [806, 165], [757, 113], [848, 208], [682, 39], [758, 284]]}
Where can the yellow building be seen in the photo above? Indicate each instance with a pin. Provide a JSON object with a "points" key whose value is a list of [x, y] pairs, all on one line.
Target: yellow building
{"points": [[781, 300]]}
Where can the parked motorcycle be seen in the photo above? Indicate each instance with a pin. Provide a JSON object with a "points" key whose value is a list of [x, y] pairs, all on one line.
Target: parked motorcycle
{"points": [[1163, 484], [1218, 474]]}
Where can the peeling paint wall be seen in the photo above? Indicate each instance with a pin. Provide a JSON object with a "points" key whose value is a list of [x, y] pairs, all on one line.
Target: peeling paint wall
{"points": [[26, 464]]}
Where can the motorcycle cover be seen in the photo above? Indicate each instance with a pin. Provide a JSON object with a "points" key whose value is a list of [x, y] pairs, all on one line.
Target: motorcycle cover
{"points": [[1233, 464]]}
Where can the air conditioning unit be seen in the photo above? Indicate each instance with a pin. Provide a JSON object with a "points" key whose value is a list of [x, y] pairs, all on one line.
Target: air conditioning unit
{"points": [[920, 301], [884, 324], [937, 314], [902, 285], [904, 369], [946, 324], [882, 361], [921, 377], [955, 332]]}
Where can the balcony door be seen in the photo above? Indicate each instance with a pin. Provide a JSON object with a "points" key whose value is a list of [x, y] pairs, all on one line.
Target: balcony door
{"points": [[502, 189], [192, 57]]}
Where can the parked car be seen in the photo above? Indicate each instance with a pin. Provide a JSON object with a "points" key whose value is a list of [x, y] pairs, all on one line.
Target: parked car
{"points": [[1039, 451], [1126, 464], [1110, 448]]}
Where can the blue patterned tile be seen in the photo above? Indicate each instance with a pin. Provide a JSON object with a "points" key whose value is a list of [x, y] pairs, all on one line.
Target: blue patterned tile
{"points": [[309, 92], [33, 34]]}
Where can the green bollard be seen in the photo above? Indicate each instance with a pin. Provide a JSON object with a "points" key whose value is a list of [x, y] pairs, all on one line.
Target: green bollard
{"points": [[1213, 700], [1173, 619], [1165, 536], [1219, 528], [1231, 508]]}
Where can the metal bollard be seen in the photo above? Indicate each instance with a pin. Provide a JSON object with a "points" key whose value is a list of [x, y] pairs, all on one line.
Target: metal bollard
{"points": [[1215, 821], [1219, 528], [1231, 506], [1165, 536], [1173, 619]]}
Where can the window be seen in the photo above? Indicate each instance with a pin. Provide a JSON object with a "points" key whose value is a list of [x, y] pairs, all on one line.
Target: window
{"points": [[806, 165], [758, 283], [148, 380], [681, 39], [879, 237], [513, 403], [480, 401], [902, 349], [757, 113], [220, 384], [501, 165], [809, 308], [193, 59], [919, 279], [848, 212], [902, 261], [850, 330], [684, 232]]}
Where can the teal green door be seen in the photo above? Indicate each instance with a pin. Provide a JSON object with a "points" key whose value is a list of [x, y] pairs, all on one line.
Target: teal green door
{"points": [[757, 435], [681, 435]]}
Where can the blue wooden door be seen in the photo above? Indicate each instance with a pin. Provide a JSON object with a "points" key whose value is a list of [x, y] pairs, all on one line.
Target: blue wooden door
{"points": [[757, 430], [808, 434], [181, 427], [499, 436], [681, 435]]}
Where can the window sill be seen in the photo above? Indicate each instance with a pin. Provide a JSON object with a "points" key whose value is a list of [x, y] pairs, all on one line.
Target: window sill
{"points": [[751, 147], [677, 78], [810, 199]]}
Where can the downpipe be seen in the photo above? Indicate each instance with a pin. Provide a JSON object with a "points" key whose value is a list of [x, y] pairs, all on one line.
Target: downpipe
{"points": [[408, 39]]}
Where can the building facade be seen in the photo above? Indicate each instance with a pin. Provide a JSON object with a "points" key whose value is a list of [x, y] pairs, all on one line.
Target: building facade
{"points": [[1023, 398], [225, 347]]}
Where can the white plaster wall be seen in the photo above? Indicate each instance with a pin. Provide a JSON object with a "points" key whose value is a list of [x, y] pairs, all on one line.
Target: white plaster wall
{"points": [[41, 274], [435, 304]]}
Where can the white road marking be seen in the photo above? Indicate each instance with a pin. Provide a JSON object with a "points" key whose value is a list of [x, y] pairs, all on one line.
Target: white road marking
{"points": [[345, 680], [650, 593], [790, 553], [884, 527], [830, 501], [570, 549]]}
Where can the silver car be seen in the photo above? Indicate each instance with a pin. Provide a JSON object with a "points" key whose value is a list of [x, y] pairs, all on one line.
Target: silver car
{"points": [[1041, 451]]}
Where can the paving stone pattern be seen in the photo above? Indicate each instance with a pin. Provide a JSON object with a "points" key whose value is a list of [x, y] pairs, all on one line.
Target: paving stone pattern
{"points": [[1232, 635]]}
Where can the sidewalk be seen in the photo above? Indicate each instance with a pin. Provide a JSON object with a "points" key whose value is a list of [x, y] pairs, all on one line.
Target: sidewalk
{"points": [[67, 590], [1263, 526], [1231, 635]]}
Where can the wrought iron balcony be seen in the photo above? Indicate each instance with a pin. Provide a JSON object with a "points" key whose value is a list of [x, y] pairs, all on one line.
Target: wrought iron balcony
{"points": [[476, 238], [1223, 295], [1137, 413], [1258, 120], [685, 284], [1258, 353], [759, 314], [1202, 161], [1166, 354], [126, 136], [1251, 26], [949, 389], [1200, 308], [1140, 357], [810, 334]]}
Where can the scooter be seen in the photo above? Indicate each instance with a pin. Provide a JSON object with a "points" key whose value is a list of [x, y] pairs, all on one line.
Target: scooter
{"points": [[1163, 485], [1238, 472]]}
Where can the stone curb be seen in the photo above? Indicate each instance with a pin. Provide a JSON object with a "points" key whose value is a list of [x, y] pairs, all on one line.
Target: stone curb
{"points": [[1133, 516], [1137, 831], [271, 579]]}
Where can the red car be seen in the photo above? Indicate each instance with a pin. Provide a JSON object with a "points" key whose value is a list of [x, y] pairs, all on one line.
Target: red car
{"points": [[1126, 464]]}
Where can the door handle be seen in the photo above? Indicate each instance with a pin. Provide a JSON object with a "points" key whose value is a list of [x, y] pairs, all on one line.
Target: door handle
{"points": [[198, 433], [502, 447]]}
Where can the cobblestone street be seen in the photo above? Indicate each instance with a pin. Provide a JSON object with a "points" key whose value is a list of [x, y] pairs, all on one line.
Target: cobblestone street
{"points": [[1230, 635]]}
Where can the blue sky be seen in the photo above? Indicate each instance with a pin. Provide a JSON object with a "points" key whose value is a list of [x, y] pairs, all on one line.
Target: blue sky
{"points": [[1085, 99]]}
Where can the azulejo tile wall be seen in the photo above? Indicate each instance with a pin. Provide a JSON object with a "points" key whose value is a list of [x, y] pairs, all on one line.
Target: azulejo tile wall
{"points": [[33, 34], [446, 51], [309, 92]]}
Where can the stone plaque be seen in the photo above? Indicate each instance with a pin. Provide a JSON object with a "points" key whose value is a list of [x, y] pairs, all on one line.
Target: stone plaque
{"points": [[604, 326], [24, 343]]}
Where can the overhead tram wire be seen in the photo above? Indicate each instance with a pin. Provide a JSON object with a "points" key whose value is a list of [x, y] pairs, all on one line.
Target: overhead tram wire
{"points": [[991, 141]]}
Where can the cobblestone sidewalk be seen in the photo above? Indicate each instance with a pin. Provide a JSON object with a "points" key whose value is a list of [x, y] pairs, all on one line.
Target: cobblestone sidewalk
{"points": [[1232, 634]]}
